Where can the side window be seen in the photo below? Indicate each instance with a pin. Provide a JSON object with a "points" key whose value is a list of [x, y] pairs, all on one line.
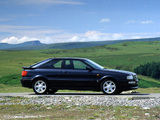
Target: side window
{"points": [[58, 65], [68, 64], [54, 64], [79, 65]]}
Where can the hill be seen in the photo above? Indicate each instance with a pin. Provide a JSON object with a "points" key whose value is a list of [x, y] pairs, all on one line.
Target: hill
{"points": [[124, 56], [21, 45], [36, 45]]}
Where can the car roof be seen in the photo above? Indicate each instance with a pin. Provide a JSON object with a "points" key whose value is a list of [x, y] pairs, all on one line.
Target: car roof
{"points": [[70, 58]]}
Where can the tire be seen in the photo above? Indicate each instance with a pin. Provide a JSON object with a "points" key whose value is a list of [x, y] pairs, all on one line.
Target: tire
{"points": [[40, 87], [109, 87], [52, 91]]}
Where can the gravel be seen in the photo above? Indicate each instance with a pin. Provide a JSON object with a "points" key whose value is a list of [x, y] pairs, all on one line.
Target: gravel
{"points": [[145, 103]]}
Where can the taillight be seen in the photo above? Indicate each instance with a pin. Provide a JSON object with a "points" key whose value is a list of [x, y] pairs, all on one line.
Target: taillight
{"points": [[24, 73]]}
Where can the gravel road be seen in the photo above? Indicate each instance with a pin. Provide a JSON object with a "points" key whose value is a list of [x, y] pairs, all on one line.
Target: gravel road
{"points": [[79, 99]]}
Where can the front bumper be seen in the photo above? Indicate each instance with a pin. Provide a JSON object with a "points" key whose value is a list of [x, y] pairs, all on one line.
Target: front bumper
{"points": [[129, 85]]}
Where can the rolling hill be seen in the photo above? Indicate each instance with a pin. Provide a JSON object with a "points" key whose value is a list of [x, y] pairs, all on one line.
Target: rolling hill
{"points": [[21, 45], [37, 45], [124, 56]]}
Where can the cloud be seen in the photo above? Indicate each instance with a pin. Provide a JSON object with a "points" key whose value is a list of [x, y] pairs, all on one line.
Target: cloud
{"points": [[99, 36], [29, 33], [75, 38], [15, 40], [146, 22], [92, 35], [65, 37], [19, 34], [141, 22], [105, 20], [96, 36], [130, 21]]}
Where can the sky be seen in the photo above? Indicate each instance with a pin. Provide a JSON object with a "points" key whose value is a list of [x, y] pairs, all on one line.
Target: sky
{"points": [[58, 21]]}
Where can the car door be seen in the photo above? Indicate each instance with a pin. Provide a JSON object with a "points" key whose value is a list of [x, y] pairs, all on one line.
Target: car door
{"points": [[77, 76]]}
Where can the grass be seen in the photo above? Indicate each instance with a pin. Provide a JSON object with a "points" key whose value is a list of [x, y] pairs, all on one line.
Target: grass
{"points": [[13, 89], [65, 112], [13, 79], [114, 56], [148, 90], [125, 56]]}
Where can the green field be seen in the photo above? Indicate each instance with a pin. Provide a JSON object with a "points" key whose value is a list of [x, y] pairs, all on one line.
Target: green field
{"points": [[125, 56]]}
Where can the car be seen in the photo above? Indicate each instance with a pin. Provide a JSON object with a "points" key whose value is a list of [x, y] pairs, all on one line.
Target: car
{"points": [[51, 75]]}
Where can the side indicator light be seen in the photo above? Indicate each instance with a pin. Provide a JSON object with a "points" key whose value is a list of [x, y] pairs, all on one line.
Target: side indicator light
{"points": [[97, 74], [24, 73]]}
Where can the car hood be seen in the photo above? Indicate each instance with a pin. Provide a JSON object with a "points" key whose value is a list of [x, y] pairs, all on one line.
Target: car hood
{"points": [[120, 71]]}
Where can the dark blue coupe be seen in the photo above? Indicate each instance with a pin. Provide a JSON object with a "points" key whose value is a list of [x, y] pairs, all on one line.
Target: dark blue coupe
{"points": [[53, 74]]}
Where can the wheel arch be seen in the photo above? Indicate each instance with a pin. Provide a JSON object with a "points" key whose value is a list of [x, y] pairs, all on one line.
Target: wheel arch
{"points": [[107, 78], [39, 77]]}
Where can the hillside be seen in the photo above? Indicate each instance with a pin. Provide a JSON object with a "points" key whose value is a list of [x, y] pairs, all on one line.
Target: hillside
{"points": [[124, 56], [36, 45]]}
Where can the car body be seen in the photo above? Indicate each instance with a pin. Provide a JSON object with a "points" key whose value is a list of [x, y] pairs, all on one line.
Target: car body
{"points": [[52, 74]]}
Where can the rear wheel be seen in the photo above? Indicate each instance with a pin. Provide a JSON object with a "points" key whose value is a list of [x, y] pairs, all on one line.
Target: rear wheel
{"points": [[109, 87], [40, 87]]}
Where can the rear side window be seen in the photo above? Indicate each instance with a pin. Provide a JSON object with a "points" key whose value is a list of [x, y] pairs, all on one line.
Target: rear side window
{"points": [[54, 64], [36, 65]]}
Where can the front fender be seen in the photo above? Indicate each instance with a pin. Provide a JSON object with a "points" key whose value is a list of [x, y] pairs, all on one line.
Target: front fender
{"points": [[106, 77]]}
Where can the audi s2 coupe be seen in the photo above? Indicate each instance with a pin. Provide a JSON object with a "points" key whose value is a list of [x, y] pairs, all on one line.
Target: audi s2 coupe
{"points": [[51, 75]]}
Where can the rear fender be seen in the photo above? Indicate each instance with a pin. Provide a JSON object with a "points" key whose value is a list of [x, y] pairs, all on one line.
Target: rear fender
{"points": [[39, 77]]}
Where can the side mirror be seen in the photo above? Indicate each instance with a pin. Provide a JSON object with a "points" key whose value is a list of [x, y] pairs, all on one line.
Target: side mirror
{"points": [[88, 68]]}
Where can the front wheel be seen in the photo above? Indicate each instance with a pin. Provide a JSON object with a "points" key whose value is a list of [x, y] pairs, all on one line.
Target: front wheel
{"points": [[109, 87], [40, 87]]}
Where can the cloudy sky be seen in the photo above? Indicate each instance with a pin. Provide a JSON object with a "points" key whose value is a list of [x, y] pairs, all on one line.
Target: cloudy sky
{"points": [[55, 21]]}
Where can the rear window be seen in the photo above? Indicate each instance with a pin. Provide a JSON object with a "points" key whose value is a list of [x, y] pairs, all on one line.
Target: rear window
{"points": [[40, 63]]}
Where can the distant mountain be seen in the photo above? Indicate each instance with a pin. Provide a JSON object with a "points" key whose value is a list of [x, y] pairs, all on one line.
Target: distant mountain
{"points": [[21, 45], [37, 45]]}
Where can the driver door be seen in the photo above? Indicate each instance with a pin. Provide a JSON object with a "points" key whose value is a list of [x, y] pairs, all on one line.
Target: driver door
{"points": [[77, 76]]}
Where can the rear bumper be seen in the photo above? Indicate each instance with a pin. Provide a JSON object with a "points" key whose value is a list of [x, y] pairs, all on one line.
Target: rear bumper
{"points": [[26, 83]]}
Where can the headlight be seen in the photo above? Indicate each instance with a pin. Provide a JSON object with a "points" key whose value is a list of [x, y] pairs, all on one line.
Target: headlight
{"points": [[130, 77]]}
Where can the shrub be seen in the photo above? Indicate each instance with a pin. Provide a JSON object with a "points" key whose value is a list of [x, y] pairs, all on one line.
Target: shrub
{"points": [[149, 69]]}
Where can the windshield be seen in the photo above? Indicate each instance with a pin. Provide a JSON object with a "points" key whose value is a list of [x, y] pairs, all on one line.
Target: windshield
{"points": [[94, 65]]}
